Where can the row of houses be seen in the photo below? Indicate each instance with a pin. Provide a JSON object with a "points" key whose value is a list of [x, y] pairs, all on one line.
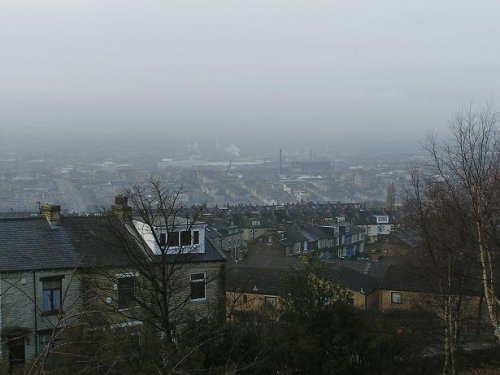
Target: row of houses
{"points": [[64, 271], [392, 280], [54, 269], [340, 240], [253, 221]]}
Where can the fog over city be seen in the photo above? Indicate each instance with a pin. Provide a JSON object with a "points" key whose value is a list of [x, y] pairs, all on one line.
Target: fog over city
{"points": [[257, 73], [249, 187], [256, 102]]}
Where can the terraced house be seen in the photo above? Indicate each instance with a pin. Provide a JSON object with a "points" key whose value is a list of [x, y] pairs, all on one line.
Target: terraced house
{"points": [[57, 272]]}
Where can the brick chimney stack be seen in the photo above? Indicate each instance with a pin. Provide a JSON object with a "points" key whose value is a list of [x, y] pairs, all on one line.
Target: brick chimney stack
{"points": [[52, 212], [121, 208]]}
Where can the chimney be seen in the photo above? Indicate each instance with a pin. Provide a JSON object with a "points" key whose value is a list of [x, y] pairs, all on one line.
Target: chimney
{"points": [[52, 213], [121, 208]]}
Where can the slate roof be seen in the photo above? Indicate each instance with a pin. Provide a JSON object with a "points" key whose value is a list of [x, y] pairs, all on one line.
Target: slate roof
{"points": [[30, 243], [170, 221], [77, 241], [389, 273], [293, 235], [269, 281], [317, 230], [255, 280], [350, 278], [266, 258], [211, 254], [353, 229], [400, 277]]}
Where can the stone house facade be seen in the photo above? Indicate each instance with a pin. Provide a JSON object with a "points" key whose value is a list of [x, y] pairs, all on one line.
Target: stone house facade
{"points": [[57, 272], [35, 305], [253, 290]]}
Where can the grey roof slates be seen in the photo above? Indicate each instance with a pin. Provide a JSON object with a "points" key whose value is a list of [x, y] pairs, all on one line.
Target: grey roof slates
{"points": [[211, 254], [350, 278], [27, 244], [31, 243], [255, 280], [294, 235], [308, 235], [319, 231]]}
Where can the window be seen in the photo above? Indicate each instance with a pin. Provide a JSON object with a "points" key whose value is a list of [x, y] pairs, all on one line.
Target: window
{"points": [[245, 298], [198, 286], [196, 237], [270, 302], [186, 238], [126, 292], [51, 294], [163, 239], [395, 297], [173, 238]]}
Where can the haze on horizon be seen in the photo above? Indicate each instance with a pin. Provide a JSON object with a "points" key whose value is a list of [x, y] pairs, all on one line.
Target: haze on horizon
{"points": [[274, 72]]}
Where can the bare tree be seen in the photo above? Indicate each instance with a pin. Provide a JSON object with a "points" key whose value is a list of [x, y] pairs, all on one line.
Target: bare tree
{"points": [[448, 263], [163, 267], [469, 166], [464, 178], [68, 313]]}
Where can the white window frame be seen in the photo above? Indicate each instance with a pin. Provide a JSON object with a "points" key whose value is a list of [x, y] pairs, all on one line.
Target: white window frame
{"points": [[124, 275], [270, 302], [393, 301]]}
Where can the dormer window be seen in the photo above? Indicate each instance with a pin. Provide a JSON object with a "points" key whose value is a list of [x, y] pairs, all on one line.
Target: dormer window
{"points": [[173, 238], [186, 238]]}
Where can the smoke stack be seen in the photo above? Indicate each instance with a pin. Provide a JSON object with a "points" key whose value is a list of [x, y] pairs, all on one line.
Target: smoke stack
{"points": [[121, 208]]}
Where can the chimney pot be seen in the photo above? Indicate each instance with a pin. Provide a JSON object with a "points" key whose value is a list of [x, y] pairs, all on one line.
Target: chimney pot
{"points": [[121, 200]]}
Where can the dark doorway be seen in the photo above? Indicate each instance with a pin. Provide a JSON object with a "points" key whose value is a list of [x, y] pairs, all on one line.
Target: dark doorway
{"points": [[16, 351]]}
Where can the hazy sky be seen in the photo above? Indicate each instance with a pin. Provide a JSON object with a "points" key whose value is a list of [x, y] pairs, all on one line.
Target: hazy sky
{"points": [[269, 71]]}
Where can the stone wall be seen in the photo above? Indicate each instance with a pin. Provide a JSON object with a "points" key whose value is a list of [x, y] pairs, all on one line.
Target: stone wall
{"points": [[22, 312]]}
